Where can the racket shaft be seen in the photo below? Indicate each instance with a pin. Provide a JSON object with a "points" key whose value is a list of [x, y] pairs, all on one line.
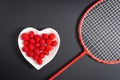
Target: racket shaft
{"points": [[68, 65]]}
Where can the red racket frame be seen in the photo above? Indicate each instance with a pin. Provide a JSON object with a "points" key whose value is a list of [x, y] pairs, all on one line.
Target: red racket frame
{"points": [[86, 51]]}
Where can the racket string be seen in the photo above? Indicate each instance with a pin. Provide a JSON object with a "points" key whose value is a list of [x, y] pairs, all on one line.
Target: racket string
{"points": [[101, 31]]}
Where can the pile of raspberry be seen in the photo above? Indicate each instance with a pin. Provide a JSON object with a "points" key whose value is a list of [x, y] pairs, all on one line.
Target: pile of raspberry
{"points": [[38, 46]]}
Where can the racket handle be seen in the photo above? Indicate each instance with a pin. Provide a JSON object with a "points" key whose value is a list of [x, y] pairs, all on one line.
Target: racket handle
{"points": [[68, 65]]}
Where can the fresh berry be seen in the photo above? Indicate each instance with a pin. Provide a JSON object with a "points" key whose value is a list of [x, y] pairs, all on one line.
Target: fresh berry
{"points": [[25, 42], [35, 57], [45, 36], [25, 36], [52, 36], [41, 55], [31, 46], [30, 53], [37, 45], [54, 43], [48, 47], [42, 47], [42, 41], [25, 49], [46, 52], [32, 41], [48, 41], [39, 61], [36, 51], [37, 38], [31, 34]]}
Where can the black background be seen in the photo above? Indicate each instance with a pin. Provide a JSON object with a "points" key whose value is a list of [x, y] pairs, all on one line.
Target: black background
{"points": [[63, 16]]}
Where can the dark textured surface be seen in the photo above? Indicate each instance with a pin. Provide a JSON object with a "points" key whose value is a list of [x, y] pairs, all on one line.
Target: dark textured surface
{"points": [[61, 15]]}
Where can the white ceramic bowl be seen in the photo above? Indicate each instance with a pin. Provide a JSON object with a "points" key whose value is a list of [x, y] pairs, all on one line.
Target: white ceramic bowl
{"points": [[52, 53]]}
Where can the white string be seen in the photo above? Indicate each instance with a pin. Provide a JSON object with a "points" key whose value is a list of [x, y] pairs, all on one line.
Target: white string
{"points": [[101, 30]]}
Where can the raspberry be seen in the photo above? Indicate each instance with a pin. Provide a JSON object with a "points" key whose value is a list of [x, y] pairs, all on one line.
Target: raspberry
{"points": [[46, 52], [42, 41], [31, 34], [48, 41], [48, 47], [41, 55], [25, 42], [52, 36], [37, 38], [25, 36], [35, 57], [25, 49], [30, 53], [42, 47], [36, 51], [32, 41], [37, 45], [54, 43], [31, 46], [45, 36], [39, 61]]}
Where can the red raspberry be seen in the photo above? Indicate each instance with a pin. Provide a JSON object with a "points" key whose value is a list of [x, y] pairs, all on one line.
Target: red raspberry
{"points": [[48, 41], [25, 42], [52, 36], [42, 41], [48, 48], [46, 52], [41, 55], [54, 43], [39, 61], [31, 46], [30, 53], [37, 45], [35, 57], [45, 36], [31, 34], [37, 38], [25, 36], [25, 49], [36, 51], [42, 47], [32, 41]]}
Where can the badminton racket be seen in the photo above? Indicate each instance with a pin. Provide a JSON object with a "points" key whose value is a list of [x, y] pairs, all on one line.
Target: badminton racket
{"points": [[99, 33]]}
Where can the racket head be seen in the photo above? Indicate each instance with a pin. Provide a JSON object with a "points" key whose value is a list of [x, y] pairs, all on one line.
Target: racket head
{"points": [[109, 60]]}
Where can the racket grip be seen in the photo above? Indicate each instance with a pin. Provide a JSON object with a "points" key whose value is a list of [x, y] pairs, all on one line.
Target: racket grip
{"points": [[68, 65]]}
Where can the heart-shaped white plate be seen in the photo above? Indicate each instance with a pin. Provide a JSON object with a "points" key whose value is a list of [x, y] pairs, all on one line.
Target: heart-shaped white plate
{"points": [[48, 58]]}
